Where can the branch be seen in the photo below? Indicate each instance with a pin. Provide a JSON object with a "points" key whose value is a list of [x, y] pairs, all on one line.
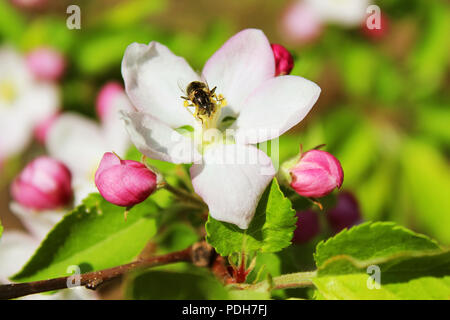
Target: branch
{"points": [[199, 254], [286, 281]]}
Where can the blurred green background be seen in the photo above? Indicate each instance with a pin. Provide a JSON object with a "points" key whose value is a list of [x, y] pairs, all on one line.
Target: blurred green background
{"points": [[384, 111]]}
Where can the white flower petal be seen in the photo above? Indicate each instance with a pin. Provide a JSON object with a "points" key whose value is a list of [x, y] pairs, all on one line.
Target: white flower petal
{"points": [[152, 75], [244, 62], [38, 223], [231, 181], [16, 248], [156, 140], [275, 107], [78, 143], [344, 12], [114, 131]]}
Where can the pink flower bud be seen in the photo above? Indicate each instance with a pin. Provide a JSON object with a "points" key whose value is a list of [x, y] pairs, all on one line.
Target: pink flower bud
{"points": [[316, 174], [345, 214], [44, 183], [307, 226], [284, 63], [379, 32], [124, 182], [300, 23], [106, 97], [42, 128], [46, 64]]}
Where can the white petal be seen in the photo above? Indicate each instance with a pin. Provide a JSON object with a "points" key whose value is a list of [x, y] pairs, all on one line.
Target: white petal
{"points": [[156, 140], [113, 128], [78, 142], [231, 181], [344, 12], [244, 62], [275, 107], [16, 248], [38, 223], [40, 101], [152, 75]]}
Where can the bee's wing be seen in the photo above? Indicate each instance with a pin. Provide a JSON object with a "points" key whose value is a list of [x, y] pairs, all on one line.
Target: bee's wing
{"points": [[203, 79], [182, 84]]}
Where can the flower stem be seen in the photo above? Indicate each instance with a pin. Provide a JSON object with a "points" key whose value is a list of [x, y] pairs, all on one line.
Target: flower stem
{"points": [[185, 196]]}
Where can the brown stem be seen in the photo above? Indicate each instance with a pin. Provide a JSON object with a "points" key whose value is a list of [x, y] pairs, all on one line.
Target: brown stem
{"points": [[195, 254]]}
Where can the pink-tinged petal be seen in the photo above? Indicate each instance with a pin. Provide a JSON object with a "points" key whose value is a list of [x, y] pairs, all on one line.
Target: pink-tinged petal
{"points": [[300, 23], [106, 98], [157, 140], [231, 181], [152, 75], [46, 64], [109, 160], [243, 63], [42, 129], [275, 107]]}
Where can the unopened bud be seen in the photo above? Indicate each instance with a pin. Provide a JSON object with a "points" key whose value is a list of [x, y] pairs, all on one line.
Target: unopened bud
{"points": [[44, 183], [345, 214], [107, 98], [316, 174], [284, 63], [124, 182], [308, 226]]}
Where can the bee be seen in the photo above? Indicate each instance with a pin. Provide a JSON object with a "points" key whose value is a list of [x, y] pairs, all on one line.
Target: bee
{"points": [[205, 101]]}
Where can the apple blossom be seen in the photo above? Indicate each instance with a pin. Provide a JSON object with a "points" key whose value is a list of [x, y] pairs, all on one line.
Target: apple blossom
{"points": [[41, 130], [348, 13], [284, 63], [308, 226], [229, 172], [46, 63], [300, 23], [345, 214], [124, 182], [44, 183], [24, 102], [316, 174], [109, 95], [80, 144]]}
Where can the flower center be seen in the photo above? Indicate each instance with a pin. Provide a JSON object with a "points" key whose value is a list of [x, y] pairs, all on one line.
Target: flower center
{"points": [[7, 91]]}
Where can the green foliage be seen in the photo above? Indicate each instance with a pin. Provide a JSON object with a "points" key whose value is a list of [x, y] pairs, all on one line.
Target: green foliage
{"points": [[270, 230], [93, 236], [427, 181], [173, 285], [1, 229], [411, 265]]}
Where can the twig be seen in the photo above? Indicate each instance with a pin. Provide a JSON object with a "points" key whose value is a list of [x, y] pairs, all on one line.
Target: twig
{"points": [[185, 196], [196, 254], [286, 281]]}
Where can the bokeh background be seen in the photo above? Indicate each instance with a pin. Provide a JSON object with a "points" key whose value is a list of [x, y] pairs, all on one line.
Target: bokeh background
{"points": [[384, 111]]}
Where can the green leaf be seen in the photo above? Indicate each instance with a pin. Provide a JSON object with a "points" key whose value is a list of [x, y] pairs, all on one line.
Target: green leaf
{"points": [[1, 229], [427, 181], [93, 236], [411, 266], [164, 285], [270, 230]]}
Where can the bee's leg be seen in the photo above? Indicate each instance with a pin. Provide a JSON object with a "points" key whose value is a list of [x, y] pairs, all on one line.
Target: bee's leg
{"points": [[185, 98], [212, 92], [221, 99]]}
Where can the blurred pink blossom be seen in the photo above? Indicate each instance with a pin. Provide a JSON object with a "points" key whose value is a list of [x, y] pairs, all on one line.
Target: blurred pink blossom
{"points": [[46, 63]]}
